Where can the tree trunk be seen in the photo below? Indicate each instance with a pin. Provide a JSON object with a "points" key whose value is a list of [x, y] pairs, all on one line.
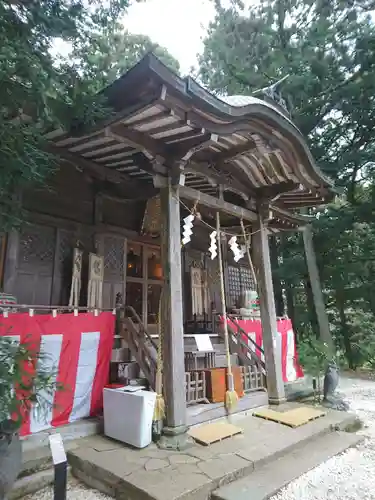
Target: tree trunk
{"points": [[277, 287], [316, 290], [311, 309], [345, 330]]}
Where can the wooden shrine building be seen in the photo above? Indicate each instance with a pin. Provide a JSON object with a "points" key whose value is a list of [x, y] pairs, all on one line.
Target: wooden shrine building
{"points": [[123, 189]]}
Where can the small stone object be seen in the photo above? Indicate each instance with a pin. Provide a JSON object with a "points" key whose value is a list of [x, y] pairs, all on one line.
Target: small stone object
{"points": [[331, 381]]}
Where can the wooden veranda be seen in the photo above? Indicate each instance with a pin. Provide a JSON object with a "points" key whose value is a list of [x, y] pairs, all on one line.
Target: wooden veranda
{"points": [[170, 139]]}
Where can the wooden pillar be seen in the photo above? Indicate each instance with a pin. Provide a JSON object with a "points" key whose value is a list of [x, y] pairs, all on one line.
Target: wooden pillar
{"points": [[316, 288], [174, 432], [271, 340]]}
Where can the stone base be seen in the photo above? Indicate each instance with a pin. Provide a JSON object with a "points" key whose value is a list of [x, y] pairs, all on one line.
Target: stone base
{"points": [[276, 401], [175, 438], [154, 474], [335, 403]]}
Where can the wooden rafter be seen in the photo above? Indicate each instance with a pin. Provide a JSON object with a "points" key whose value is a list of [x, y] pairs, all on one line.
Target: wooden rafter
{"points": [[99, 171], [216, 203]]}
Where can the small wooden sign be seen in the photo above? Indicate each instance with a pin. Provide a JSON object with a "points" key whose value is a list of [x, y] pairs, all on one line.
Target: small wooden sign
{"points": [[203, 342]]}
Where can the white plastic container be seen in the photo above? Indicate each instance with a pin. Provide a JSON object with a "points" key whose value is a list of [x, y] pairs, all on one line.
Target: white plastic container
{"points": [[128, 416]]}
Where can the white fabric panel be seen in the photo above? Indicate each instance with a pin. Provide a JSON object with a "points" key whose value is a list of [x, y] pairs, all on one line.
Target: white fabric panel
{"points": [[291, 373], [87, 362], [41, 416]]}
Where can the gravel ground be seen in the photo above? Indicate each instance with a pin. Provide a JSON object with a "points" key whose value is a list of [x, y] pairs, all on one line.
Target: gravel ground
{"points": [[351, 475], [75, 490]]}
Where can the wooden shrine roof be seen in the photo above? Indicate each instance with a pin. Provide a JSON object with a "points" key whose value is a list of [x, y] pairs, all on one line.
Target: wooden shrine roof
{"points": [[163, 123]]}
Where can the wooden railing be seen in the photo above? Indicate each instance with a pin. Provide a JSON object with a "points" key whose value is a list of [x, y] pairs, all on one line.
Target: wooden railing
{"points": [[144, 349], [240, 342], [253, 379], [142, 346]]}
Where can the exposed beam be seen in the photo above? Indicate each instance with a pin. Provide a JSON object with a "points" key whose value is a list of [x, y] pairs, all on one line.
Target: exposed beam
{"points": [[216, 204], [226, 180], [138, 140], [166, 113], [235, 152], [99, 171], [290, 216], [146, 194], [275, 189]]}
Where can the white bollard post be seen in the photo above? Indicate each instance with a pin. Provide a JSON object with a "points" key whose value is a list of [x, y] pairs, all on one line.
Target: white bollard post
{"points": [[60, 465]]}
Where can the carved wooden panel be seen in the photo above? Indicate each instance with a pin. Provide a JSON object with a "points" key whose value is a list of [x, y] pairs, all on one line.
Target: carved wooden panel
{"points": [[63, 267], [213, 282], [194, 258], [37, 247], [114, 256], [35, 263], [113, 250]]}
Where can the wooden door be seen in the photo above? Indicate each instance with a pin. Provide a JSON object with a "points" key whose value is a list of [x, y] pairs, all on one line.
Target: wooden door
{"points": [[30, 257], [113, 249]]}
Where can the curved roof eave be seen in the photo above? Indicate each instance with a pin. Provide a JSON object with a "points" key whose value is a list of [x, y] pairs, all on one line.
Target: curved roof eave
{"points": [[193, 94], [189, 89], [262, 108]]}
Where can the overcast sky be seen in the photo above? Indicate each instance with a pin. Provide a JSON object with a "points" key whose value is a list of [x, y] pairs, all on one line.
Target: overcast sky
{"points": [[177, 25]]}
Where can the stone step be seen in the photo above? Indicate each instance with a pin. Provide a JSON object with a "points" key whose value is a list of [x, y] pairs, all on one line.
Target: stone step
{"points": [[37, 468], [40, 458], [31, 484], [270, 478]]}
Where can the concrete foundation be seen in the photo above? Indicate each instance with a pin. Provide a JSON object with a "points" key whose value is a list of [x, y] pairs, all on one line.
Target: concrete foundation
{"points": [[151, 473]]}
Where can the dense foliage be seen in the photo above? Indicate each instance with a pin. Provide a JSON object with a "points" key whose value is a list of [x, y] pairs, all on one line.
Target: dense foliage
{"points": [[103, 57], [21, 390], [328, 51], [37, 83]]}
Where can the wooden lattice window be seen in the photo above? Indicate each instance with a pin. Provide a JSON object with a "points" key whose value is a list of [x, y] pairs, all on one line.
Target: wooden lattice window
{"points": [[239, 280], [114, 255], [143, 281], [37, 246]]}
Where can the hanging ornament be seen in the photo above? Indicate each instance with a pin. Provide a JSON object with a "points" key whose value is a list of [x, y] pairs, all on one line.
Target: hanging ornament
{"points": [[213, 246], [235, 248], [187, 230]]}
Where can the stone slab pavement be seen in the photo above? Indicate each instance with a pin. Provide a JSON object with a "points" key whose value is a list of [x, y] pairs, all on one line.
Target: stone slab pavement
{"points": [[130, 474], [272, 477]]}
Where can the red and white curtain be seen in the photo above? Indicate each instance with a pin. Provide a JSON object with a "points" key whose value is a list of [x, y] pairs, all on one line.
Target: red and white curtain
{"points": [[291, 368], [78, 350]]}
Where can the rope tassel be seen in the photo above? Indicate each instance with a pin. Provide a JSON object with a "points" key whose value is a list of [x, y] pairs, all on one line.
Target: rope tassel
{"points": [[159, 410], [231, 396]]}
